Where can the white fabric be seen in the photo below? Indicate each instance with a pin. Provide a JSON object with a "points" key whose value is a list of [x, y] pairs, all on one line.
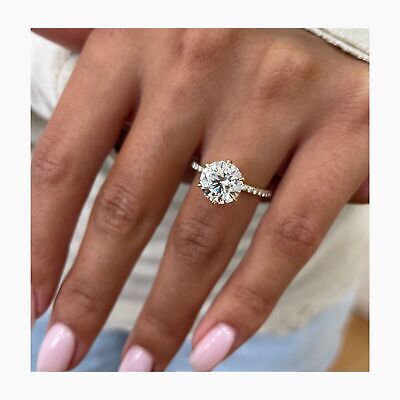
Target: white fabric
{"points": [[352, 41], [330, 273]]}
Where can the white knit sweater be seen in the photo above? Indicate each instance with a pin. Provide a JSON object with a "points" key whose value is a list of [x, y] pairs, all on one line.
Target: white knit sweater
{"points": [[326, 278]]}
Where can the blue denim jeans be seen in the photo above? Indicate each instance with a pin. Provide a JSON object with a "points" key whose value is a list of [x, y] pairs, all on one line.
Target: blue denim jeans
{"points": [[311, 348]]}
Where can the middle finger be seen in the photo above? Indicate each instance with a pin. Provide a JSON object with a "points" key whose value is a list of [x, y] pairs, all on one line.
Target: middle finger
{"points": [[203, 239]]}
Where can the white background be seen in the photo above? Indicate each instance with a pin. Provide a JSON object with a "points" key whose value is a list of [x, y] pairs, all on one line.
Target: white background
{"points": [[16, 380]]}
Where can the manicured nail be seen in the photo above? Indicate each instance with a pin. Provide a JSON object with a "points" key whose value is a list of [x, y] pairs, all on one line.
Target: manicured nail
{"points": [[57, 349], [33, 310], [213, 348], [137, 359]]}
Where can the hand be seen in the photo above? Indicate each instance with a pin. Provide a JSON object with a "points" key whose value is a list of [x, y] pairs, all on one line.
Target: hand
{"points": [[278, 103]]}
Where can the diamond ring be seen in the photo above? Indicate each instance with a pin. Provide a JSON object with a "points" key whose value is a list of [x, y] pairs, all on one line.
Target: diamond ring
{"points": [[221, 182]]}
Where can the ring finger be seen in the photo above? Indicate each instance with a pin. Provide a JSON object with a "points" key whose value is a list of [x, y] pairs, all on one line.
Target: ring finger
{"points": [[202, 241]]}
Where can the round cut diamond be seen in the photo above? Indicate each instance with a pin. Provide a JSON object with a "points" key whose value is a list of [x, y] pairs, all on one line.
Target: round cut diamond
{"points": [[221, 182]]}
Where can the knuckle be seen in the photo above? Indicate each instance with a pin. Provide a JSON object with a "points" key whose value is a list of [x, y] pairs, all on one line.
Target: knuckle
{"points": [[78, 300], [252, 300], [119, 210], [103, 45], [283, 70], [198, 46], [51, 162], [195, 239], [290, 59], [294, 235], [156, 322]]}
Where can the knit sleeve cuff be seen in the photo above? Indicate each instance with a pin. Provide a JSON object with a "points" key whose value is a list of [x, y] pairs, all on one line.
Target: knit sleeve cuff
{"points": [[352, 41]]}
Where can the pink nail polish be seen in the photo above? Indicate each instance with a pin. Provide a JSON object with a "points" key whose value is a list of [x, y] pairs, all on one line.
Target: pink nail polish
{"points": [[137, 359], [213, 348], [57, 349]]}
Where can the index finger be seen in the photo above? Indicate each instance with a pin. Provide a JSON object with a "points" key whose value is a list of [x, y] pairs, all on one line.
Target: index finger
{"points": [[80, 134]]}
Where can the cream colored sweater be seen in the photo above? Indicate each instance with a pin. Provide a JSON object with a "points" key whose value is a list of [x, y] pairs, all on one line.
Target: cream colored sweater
{"points": [[326, 278]]}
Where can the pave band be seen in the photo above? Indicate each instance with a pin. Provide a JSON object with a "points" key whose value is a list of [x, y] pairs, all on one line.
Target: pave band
{"points": [[221, 182]]}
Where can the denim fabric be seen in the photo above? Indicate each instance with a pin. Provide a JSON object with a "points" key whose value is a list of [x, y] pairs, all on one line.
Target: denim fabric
{"points": [[311, 348]]}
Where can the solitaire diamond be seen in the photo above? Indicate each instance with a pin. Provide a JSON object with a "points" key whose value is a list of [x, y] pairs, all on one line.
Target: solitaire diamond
{"points": [[221, 182]]}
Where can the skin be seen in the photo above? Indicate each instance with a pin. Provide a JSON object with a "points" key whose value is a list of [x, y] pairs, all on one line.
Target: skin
{"points": [[282, 104]]}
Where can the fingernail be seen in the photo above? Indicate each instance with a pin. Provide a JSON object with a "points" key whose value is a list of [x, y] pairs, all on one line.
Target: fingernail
{"points": [[213, 348], [33, 310], [137, 359], [57, 349]]}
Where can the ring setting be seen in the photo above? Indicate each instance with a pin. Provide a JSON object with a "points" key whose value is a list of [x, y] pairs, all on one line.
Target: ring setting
{"points": [[222, 182]]}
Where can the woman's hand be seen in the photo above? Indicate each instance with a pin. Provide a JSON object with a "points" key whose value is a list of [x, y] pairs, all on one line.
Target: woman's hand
{"points": [[275, 102]]}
